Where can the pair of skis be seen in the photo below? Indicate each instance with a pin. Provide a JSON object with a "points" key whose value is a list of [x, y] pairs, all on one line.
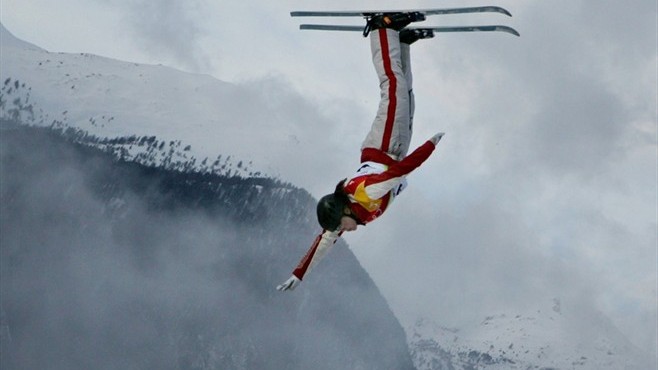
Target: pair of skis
{"points": [[427, 12]]}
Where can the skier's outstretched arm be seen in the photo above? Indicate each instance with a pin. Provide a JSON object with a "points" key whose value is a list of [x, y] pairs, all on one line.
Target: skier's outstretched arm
{"points": [[378, 185], [320, 247]]}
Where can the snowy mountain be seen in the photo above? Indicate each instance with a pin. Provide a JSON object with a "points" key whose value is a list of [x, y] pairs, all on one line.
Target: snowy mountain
{"points": [[119, 251], [551, 337], [259, 123]]}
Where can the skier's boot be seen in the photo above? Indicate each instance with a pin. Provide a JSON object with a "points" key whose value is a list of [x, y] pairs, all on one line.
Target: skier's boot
{"points": [[396, 21], [409, 36]]}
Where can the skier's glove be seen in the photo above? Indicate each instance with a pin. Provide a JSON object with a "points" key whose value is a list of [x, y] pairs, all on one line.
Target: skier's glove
{"points": [[436, 138], [289, 284]]}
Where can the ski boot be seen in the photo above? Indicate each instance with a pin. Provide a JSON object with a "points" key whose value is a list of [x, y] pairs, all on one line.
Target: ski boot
{"points": [[411, 35], [396, 21]]}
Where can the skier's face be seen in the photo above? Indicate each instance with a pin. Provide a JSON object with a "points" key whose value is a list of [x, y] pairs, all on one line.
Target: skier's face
{"points": [[347, 224]]}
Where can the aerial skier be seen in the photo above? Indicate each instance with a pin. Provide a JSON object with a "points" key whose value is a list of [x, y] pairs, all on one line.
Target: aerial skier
{"points": [[363, 197]]}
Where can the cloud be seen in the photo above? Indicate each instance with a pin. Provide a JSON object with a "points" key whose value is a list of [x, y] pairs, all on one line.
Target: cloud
{"points": [[168, 30], [545, 182]]}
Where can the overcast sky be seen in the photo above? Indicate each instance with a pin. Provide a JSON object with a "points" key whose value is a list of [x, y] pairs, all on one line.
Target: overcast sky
{"points": [[544, 186]]}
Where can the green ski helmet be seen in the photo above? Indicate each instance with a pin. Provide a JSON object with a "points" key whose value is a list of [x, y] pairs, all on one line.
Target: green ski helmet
{"points": [[331, 208]]}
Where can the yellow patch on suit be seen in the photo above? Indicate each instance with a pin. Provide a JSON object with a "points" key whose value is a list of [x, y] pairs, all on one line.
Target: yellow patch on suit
{"points": [[361, 197]]}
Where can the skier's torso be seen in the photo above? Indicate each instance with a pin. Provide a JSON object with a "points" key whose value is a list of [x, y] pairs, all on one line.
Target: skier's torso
{"points": [[371, 191]]}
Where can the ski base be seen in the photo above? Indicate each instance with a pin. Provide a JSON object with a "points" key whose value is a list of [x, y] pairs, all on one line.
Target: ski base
{"points": [[489, 28], [369, 13]]}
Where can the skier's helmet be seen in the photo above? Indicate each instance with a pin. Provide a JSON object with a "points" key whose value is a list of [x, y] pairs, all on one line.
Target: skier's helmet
{"points": [[331, 208]]}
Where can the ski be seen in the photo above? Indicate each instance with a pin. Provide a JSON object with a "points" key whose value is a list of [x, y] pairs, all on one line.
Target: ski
{"points": [[369, 13], [493, 28]]}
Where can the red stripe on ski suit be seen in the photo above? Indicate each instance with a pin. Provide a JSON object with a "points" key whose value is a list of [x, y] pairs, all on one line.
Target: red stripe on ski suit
{"points": [[392, 87]]}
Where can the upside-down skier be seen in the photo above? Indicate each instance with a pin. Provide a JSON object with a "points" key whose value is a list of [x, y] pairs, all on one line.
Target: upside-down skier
{"points": [[363, 197]]}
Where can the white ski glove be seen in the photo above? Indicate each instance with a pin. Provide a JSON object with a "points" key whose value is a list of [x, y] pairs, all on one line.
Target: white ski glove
{"points": [[436, 138], [289, 284]]}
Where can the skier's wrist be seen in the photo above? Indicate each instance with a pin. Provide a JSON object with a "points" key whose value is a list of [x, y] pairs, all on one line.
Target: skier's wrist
{"points": [[436, 138]]}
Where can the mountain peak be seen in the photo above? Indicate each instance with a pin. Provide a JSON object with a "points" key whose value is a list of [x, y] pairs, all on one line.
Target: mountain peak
{"points": [[7, 39], [110, 99]]}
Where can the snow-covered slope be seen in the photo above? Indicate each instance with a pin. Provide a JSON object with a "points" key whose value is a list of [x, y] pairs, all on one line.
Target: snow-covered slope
{"points": [[550, 337], [259, 122]]}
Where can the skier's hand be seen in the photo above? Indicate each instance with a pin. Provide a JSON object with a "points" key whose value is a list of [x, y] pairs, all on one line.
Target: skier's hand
{"points": [[436, 138], [289, 284]]}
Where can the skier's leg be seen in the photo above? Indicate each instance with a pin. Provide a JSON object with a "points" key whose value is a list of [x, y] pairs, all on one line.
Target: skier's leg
{"points": [[405, 56], [408, 37], [390, 129]]}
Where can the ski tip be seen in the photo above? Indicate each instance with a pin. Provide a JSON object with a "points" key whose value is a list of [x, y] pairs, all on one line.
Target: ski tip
{"points": [[502, 11], [505, 29], [509, 30]]}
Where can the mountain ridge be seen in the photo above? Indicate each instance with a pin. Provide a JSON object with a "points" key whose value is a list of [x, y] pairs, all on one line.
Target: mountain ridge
{"points": [[259, 123], [113, 264]]}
